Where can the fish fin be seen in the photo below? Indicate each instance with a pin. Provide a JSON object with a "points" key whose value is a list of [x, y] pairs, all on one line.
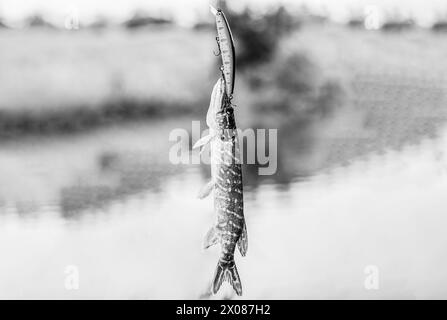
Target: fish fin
{"points": [[211, 238], [242, 243], [202, 141], [206, 190], [227, 272]]}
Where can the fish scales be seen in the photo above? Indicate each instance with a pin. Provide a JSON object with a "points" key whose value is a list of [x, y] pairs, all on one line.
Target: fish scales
{"points": [[226, 181], [226, 171], [228, 193]]}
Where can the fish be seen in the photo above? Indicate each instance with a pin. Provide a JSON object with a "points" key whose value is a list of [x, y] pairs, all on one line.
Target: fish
{"points": [[227, 50], [229, 229]]}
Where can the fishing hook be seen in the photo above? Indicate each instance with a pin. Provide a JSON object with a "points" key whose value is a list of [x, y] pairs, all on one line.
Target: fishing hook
{"points": [[218, 46]]}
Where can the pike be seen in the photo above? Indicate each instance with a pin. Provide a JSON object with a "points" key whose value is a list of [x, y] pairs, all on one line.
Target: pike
{"points": [[229, 230]]}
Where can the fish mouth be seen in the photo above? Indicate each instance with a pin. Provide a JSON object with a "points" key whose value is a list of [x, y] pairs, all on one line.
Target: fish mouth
{"points": [[216, 104]]}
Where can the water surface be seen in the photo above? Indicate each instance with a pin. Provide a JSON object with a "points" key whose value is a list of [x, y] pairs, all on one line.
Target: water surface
{"points": [[110, 203]]}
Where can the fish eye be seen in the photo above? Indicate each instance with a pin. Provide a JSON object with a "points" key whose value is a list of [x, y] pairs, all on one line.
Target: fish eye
{"points": [[222, 138]]}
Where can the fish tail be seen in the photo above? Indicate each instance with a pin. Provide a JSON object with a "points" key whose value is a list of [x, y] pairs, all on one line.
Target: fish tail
{"points": [[227, 271]]}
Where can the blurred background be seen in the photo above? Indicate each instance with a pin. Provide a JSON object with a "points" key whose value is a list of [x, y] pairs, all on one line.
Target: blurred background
{"points": [[90, 90]]}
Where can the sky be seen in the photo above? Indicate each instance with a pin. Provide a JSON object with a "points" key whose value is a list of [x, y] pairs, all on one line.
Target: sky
{"points": [[187, 11]]}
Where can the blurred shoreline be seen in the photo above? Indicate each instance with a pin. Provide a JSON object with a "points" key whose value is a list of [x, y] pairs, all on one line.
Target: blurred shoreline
{"points": [[71, 81], [65, 82]]}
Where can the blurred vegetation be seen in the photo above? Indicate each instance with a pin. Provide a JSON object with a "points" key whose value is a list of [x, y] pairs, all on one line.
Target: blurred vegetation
{"points": [[356, 23], [293, 95], [203, 25], [293, 90], [394, 25], [440, 26], [78, 118], [142, 19], [287, 88], [37, 21], [258, 36], [99, 23]]}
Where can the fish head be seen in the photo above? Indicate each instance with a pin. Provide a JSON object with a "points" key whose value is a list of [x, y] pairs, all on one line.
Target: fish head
{"points": [[220, 117], [215, 105], [215, 110]]}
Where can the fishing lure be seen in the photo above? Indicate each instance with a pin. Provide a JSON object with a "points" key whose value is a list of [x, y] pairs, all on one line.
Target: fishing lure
{"points": [[226, 49]]}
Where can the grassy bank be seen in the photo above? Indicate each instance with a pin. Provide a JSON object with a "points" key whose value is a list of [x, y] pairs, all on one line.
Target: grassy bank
{"points": [[68, 81], [77, 118]]}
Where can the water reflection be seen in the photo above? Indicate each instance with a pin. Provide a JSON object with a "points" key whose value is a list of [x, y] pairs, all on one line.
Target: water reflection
{"points": [[110, 202], [127, 175], [117, 164], [122, 175]]}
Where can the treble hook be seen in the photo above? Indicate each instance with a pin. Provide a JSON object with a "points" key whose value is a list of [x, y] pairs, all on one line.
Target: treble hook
{"points": [[218, 46]]}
